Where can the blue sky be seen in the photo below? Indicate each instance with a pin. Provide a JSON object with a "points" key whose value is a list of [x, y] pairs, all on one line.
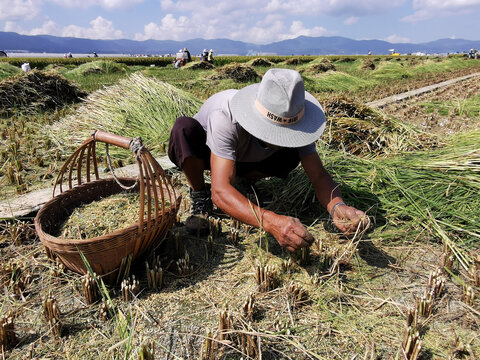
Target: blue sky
{"points": [[256, 21]]}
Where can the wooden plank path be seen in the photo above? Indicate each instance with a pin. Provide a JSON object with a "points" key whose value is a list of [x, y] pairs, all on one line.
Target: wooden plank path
{"points": [[399, 97], [28, 204]]}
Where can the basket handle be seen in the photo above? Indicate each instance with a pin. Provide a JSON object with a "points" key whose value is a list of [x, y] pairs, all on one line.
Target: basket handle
{"points": [[112, 139]]}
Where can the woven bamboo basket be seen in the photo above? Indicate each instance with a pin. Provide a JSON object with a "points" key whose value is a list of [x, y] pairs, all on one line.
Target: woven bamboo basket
{"points": [[108, 254]]}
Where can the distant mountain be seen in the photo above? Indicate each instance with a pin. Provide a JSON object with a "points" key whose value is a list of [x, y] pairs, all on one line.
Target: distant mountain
{"points": [[302, 45]]}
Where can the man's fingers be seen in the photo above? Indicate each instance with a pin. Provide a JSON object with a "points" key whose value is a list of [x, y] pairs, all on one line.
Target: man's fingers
{"points": [[302, 232]]}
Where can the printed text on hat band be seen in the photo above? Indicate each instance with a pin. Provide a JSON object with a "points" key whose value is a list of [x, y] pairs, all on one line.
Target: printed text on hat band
{"points": [[277, 118]]}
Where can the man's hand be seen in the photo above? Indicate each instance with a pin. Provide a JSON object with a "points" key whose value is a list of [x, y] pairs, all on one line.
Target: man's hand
{"points": [[349, 220], [290, 233]]}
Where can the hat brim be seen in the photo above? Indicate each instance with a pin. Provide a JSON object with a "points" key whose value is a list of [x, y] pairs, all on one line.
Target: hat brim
{"points": [[304, 132]]}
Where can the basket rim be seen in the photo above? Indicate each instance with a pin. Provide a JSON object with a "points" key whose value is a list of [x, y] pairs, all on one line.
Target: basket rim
{"points": [[44, 236]]}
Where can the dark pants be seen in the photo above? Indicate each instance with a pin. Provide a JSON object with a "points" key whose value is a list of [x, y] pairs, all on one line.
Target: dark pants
{"points": [[189, 139]]}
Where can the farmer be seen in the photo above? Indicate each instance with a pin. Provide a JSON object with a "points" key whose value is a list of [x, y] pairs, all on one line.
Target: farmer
{"points": [[179, 59], [262, 130], [186, 55], [210, 56], [204, 55]]}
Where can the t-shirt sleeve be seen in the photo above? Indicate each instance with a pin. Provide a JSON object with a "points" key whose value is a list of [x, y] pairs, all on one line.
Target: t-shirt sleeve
{"points": [[306, 150], [222, 135]]}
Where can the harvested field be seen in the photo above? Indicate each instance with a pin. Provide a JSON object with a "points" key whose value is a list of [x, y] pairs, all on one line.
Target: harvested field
{"points": [[426, 112], [397, 87], [238, 294]]}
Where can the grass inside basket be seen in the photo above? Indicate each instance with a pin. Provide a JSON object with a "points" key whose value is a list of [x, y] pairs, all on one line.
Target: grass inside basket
{"points": [[103, 216]]}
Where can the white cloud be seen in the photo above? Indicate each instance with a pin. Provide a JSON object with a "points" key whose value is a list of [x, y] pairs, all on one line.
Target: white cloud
{"points": [[107, 4], [101, 29], [48, 28], [332, 7], [19, 9], [11, 26], [263, 32], [297, 29], [397, 39], [171, 28], [427, 9], [351, 20]]}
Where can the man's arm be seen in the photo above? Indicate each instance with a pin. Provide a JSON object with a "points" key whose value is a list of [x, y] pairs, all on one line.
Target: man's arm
{"points": [[288, 231], [345, 218]]}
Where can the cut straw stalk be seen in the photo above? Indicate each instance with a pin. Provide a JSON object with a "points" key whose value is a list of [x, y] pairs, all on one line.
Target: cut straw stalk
{"points": [[136, 106], [7, 332], [408, 188]]}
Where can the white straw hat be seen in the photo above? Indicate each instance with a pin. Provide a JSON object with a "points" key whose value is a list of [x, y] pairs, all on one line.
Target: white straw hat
{"points": [[279, 111]]}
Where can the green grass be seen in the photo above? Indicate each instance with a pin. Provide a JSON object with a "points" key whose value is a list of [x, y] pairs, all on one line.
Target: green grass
{"points": [[7, 70], [469, 107], [334, 82]]}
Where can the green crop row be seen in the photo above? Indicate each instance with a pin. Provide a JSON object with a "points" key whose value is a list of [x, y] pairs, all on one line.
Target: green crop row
{"points": [[42, 62]]}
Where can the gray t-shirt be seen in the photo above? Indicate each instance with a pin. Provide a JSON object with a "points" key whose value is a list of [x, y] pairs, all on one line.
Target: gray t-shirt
{"points": [[227, 139]]}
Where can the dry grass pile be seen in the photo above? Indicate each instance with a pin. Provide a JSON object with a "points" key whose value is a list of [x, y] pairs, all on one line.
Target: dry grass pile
{"points": [[361, 130], [198, 65], [296, 61], [368, 64], [97, 67], [236, 72], [321, 66], [102, 217], [135, 106], [259, 62], [37, 90]]}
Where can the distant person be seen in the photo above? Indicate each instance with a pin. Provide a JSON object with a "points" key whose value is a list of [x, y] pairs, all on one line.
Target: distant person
{"points": [[470, 54], [179, 59], [187, 55], [204, 55], [210, 56], [95, 54]]}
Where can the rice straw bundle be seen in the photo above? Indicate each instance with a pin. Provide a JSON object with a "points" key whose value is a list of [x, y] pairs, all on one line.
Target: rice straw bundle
{"points": [[425, 189], [136, 106]]}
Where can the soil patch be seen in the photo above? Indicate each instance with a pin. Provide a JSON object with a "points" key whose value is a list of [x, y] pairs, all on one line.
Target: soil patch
{"points": [[414, 110]]}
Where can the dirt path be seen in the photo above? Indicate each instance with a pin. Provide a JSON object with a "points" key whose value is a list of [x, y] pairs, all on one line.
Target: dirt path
{"points": [[406, 95], [29, 203]]}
